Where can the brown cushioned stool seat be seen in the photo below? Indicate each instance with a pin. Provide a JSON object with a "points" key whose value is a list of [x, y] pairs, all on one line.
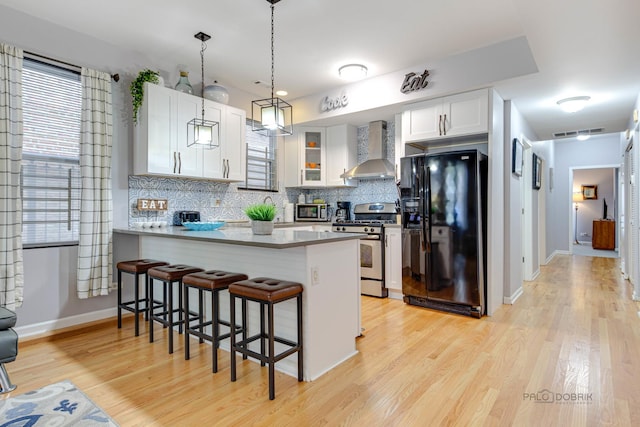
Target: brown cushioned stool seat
{"points": [[266, 292], [136, 267], [212, 281], [169, 275]]}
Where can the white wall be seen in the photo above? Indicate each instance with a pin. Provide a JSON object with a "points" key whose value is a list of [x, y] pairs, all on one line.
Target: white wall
{"points": [[599, 151], [515, 127]]}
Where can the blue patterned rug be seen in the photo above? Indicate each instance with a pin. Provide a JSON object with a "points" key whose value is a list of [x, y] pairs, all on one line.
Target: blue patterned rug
{"points": [[59, 404]]}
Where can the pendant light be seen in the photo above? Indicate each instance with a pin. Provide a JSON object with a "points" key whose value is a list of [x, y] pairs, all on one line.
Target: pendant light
{"points": [[201, 132], [272, 116]]}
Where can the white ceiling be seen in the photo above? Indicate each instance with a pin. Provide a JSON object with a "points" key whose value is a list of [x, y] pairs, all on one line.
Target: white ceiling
{"points": [[580, 47]]}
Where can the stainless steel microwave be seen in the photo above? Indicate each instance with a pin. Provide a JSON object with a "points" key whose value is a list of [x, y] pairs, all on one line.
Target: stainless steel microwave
{"points": [[311, 212]]}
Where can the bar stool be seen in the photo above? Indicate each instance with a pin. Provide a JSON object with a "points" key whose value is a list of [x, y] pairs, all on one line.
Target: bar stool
{"points": [[267, 292], [212, 281], [169, 275], [135, 267]]}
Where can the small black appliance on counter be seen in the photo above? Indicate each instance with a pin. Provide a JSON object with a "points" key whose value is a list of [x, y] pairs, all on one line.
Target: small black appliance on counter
{"points": [[343, 212], [185, 216]]}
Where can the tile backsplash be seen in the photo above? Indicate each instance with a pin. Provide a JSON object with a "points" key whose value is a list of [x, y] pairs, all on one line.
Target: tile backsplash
{"points": [[215, 200]]}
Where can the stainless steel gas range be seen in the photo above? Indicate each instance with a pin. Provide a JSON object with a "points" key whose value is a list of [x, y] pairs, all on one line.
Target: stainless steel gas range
{"points": [[370, 218]]}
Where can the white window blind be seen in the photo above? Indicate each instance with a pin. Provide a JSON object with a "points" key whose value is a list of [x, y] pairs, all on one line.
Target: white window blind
{"points": [[262, 166], [52, 101]]}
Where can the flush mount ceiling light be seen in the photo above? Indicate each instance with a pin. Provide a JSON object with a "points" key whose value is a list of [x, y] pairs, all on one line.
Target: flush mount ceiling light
{"points": [[201, 132], [272, 116], [573, 104], [352, 72], [583, 135]]}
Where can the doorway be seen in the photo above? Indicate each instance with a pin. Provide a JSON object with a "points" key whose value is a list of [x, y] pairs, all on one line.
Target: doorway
{"points": [[594, 209]]}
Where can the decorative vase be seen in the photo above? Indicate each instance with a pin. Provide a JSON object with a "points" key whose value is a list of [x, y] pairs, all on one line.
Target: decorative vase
{"points": [[216, 93], [262, 227], [183, 84]]}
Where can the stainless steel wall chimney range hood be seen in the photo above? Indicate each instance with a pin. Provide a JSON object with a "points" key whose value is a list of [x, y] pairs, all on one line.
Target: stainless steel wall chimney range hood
{"points": [[377, 166]]}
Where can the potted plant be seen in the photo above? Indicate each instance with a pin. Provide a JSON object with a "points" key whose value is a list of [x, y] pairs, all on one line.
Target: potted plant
{"points": [[261, 216], [137, 88]]}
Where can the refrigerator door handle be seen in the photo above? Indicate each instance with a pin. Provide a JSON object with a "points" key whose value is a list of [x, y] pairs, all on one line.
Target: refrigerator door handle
{"points": [[426, 208]]}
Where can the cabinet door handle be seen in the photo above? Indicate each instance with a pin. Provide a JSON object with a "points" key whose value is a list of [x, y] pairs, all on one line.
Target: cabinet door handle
{"points": [[301, 176], [226, 168], [175, 162], [179, 164], [444, 125], [440, 124]]}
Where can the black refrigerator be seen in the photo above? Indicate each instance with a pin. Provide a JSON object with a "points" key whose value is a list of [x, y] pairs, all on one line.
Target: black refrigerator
{"points": [[444, 232]]}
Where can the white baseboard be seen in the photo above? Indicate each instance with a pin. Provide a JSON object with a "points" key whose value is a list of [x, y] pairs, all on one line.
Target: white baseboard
{"points": [[52, 325], [556, 252], [535, 275], [395, 294], [513, 298]]}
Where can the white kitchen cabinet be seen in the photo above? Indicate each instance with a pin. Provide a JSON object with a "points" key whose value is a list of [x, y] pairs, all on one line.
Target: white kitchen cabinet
{"points": [[160, 146], [233, 148], [393, 260], [316, 157], [342, 154], [305, 158], [462, 114]]}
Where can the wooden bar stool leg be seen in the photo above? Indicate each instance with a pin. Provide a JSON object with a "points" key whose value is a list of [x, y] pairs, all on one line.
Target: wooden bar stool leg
{"points": [[170, 310], [136, 305], [232, 318], [300, 346], [200, 312], [150, 280], [119, 299], [272, 363], [245, 326], [263, 336], [187, 325], [215, 329]]}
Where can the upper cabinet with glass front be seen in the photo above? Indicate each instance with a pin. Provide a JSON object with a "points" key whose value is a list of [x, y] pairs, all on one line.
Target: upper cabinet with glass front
{"points": [[316, 156], [161, 144]]}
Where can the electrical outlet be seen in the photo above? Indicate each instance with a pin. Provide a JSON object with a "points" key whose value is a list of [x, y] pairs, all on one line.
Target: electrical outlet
{"points": [[315, 275]]}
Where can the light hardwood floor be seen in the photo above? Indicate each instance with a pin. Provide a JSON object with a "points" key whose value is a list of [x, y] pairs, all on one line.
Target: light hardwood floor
{"points": [[574, 331]]}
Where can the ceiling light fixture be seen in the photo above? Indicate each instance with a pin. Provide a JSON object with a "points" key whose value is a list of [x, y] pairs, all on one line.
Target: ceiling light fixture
{"points": [[352, 72], [201, 132], [272, 116], [573, 104], [583, 135]]}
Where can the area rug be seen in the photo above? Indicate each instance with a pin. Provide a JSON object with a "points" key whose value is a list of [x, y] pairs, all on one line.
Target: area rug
{"points": [[59, 404]]}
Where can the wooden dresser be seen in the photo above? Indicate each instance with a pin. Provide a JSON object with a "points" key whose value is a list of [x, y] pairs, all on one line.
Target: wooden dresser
{"points": [[604, 235]]}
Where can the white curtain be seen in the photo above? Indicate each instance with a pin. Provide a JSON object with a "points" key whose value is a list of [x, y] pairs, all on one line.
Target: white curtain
{"points": [[11, 268], [94, 249]]}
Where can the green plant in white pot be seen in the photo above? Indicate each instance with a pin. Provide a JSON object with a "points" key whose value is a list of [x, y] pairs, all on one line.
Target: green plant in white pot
{"points": [[137, 88], [261, 216]]}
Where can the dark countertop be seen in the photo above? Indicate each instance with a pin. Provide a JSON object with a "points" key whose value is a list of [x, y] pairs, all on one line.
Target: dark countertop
{"points": [[280, 239]]}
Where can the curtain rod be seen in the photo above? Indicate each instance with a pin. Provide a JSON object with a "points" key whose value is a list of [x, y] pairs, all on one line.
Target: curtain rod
{"points": [[115, 77]]}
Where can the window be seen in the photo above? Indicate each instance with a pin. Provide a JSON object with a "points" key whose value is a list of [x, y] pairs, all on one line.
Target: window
{"points": [[52, 102], [261, 161]]}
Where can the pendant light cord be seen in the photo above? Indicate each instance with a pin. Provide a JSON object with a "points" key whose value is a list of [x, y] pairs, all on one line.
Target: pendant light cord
{"points": [[272, 53], [203, 47]]}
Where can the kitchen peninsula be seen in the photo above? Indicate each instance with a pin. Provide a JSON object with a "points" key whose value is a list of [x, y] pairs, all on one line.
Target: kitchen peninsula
{"points": [[327, 265]]}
